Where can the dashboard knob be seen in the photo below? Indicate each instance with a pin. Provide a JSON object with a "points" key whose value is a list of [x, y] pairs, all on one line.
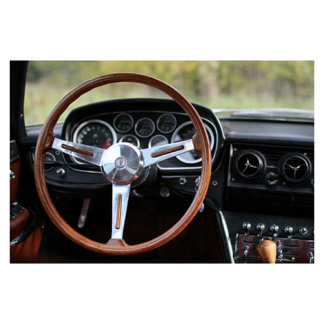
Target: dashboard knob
{"points": [[164, 192], [60, 172], [271, 178], [182, 181], [267, 250]]}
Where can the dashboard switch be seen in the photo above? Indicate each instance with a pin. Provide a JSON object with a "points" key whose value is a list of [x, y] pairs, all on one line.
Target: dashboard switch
{"points": [[288, 230], [274, 228], [303, 230], [260, 227], [246, 227]]}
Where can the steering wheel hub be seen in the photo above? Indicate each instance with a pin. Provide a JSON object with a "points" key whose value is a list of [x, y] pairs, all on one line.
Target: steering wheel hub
{"points": [[122, 164]]}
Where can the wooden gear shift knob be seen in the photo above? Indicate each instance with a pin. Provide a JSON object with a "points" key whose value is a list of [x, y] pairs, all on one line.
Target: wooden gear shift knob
{"points": [[267, 250]]}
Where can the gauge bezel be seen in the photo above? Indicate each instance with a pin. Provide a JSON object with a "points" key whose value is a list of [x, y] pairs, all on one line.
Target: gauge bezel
{"points": [[75, 133], [159, 135], [175, 123], [114, 123], [212, 140], [138, 141], [135, 127]]}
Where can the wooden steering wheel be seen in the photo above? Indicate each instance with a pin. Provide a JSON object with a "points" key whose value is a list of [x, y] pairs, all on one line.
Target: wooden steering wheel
{"points": [[121, 164]]}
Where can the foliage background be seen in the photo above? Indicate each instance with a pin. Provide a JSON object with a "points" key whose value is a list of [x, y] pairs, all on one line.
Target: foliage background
{"points": [[215, 84]]}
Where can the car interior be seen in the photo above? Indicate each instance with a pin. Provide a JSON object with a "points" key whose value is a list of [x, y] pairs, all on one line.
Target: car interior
{"points": [[158, 180]]}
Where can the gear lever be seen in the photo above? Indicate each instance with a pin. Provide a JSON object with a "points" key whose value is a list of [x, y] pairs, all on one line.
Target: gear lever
{"points": [[267, 250]]}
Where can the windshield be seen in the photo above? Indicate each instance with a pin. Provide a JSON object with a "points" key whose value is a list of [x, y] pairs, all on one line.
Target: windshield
{"points": [[219, 85]]}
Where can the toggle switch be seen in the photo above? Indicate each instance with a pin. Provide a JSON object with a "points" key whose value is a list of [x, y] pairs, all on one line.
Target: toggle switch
{"points": [[274, 228], [260, 228], [288, 230], [246, 227]]}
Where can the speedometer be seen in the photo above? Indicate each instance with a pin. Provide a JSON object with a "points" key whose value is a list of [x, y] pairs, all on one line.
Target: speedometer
{"points": [[185, 132], [96, 133]]}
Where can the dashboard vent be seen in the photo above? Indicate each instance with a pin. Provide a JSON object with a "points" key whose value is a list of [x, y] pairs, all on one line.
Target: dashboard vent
{"points": [[296, 167], [272, 158], [250, 164]]}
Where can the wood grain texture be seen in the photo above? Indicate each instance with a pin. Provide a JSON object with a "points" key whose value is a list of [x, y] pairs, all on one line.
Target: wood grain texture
{"points": [[178, 148], [119, 209], [74, 149], [46, 138], [268, 251]]}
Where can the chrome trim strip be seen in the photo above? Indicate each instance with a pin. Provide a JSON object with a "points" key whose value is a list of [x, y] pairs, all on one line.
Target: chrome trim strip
{"points": [[180, 176], [229, 164], [84, 213], [228, 239]]}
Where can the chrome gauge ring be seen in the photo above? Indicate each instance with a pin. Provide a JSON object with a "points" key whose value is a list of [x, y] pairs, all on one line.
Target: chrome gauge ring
{"points": [[94, 132], [187, 130]]}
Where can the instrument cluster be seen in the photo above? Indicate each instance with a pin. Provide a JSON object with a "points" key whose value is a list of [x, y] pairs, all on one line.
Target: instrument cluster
{"points": [[148, 131]]}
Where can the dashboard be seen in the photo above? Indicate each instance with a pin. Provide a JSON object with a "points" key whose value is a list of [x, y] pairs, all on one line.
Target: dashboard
{"points": [[262, 170]]}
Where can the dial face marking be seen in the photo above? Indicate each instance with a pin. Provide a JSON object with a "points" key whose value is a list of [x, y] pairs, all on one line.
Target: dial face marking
{"points": [[144, 127], [166, 123], [123, 123]]}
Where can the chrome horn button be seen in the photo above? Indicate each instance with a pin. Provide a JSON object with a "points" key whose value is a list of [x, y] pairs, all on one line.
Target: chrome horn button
{"points": [[122, 163]]}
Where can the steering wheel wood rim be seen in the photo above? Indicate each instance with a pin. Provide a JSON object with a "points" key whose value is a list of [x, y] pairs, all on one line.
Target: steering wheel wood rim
{"points": [[46, 139]]}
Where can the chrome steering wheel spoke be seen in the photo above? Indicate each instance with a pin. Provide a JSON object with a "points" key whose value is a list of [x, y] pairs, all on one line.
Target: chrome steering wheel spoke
{"points": [[120, 196], [160, 153], [83, 152]]}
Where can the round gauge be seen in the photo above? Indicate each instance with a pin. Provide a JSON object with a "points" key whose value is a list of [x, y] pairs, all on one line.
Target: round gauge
{"points": [[166, 123], [144, 127], [184, 132], [130, 139], [158, 140], [96, 133], [123, 123]]}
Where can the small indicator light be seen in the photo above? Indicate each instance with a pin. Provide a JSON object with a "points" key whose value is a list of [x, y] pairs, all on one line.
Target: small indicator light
{"points": [[293, 258]]}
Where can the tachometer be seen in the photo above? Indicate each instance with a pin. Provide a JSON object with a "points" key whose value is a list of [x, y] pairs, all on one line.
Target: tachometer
{"points": [[185, 132], [96, 133]]}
